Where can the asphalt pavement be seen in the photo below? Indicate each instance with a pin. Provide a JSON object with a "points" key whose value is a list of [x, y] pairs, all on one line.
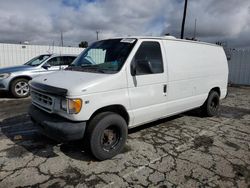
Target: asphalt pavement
{"points": [[186, 150]]}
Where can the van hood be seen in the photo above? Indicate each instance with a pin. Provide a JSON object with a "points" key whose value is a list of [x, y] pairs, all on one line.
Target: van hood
{"points": [[80, 83], [15, 68]]}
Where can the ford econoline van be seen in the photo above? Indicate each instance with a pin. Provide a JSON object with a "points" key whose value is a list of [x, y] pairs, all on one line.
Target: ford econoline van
{"points": [[120, 83]]}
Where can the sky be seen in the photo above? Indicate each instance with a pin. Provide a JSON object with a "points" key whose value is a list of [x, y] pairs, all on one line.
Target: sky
{"points": [[42, 21]]}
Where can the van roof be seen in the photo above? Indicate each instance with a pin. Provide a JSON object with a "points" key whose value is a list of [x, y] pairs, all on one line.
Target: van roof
{"points": [[170, 38]]}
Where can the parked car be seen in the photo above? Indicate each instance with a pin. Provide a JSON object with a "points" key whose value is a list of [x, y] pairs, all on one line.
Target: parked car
{"points": [[117, 84], [15, 79]]}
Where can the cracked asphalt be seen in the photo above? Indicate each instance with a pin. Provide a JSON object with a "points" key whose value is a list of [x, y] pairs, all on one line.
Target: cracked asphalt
{"points": [[182, 151]]}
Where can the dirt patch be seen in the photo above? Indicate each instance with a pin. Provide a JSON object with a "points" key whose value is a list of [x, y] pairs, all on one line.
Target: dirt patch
{"points": [[233, 112], [242, 172], [232, 145], [126, 149], [203, 141], [74, 177], [16, 152]]}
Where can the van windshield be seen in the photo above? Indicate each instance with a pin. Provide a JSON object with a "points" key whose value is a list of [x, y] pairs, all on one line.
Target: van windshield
{"points": [[37, 60], [106, 56]]}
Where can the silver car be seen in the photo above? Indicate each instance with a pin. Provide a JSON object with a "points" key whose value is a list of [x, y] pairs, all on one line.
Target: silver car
{"points": [[15, 79]]}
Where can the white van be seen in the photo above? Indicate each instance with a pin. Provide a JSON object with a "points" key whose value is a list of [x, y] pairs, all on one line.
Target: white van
{"points": [[121, 83]]}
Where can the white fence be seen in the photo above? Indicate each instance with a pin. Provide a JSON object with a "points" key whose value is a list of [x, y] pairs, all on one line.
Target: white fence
{"points": [[18, 54]]}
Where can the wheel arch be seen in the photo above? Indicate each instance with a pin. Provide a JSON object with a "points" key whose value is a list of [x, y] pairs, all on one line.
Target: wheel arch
{"points": [[216, 89], [116, 108], [18, 77]]}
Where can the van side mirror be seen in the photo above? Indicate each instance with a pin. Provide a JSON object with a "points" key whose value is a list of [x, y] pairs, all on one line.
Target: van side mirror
{"points": [[46, 66]]}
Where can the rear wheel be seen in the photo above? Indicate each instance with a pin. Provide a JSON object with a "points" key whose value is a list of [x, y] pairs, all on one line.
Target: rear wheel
{"points": [[20, 88], [211, 106], [106, 135]]}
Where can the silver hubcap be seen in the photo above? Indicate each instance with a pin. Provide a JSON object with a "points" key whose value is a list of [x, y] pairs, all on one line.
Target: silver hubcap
{"points": [[22, 88]]}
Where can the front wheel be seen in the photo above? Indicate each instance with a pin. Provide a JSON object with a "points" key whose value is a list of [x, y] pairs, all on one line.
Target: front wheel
{"points": [[211, 106], [107, 135], [20, 88]]}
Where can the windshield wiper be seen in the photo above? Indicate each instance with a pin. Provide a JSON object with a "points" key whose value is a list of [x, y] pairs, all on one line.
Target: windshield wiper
{"points": [[88, 65], [91, 68]]}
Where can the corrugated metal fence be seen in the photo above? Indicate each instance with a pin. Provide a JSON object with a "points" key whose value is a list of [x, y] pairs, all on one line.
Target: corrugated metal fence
{"points": [[17, 54], [239, 67]]}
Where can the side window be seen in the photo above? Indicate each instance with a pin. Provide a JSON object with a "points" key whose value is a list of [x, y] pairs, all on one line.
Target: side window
{"points": [[148, 59], [54, 61], [71, 59], [66, 60]]}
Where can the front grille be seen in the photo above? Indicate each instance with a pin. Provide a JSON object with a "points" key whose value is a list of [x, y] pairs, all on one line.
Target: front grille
{"points": [[42, 101]]}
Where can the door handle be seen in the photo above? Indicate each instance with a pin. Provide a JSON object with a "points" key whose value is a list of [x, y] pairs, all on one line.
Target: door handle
{"points": [[165, 88]]}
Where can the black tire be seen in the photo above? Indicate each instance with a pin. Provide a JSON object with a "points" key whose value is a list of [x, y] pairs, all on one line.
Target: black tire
{"points": [[211, 106], [106, 135], [22, 85]]}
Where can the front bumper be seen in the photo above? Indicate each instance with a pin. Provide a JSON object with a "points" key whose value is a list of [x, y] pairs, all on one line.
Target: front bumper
{"points": [[4, 84], [57, 127]]}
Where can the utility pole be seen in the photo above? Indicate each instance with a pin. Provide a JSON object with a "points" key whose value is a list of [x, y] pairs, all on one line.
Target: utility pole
{"points": [[97, 35], [184, 19], [195, 28], [62, 38]]}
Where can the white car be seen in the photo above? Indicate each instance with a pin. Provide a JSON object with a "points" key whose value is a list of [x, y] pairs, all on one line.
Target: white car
{"points": [[120, 83]]}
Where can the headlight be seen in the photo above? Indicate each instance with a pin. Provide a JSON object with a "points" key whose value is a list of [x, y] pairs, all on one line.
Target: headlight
{"points": [[4, 75], [64, 104], [72, 106]]}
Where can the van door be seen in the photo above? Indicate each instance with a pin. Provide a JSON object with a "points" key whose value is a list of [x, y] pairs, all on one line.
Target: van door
{"points": [[148, 87]]}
